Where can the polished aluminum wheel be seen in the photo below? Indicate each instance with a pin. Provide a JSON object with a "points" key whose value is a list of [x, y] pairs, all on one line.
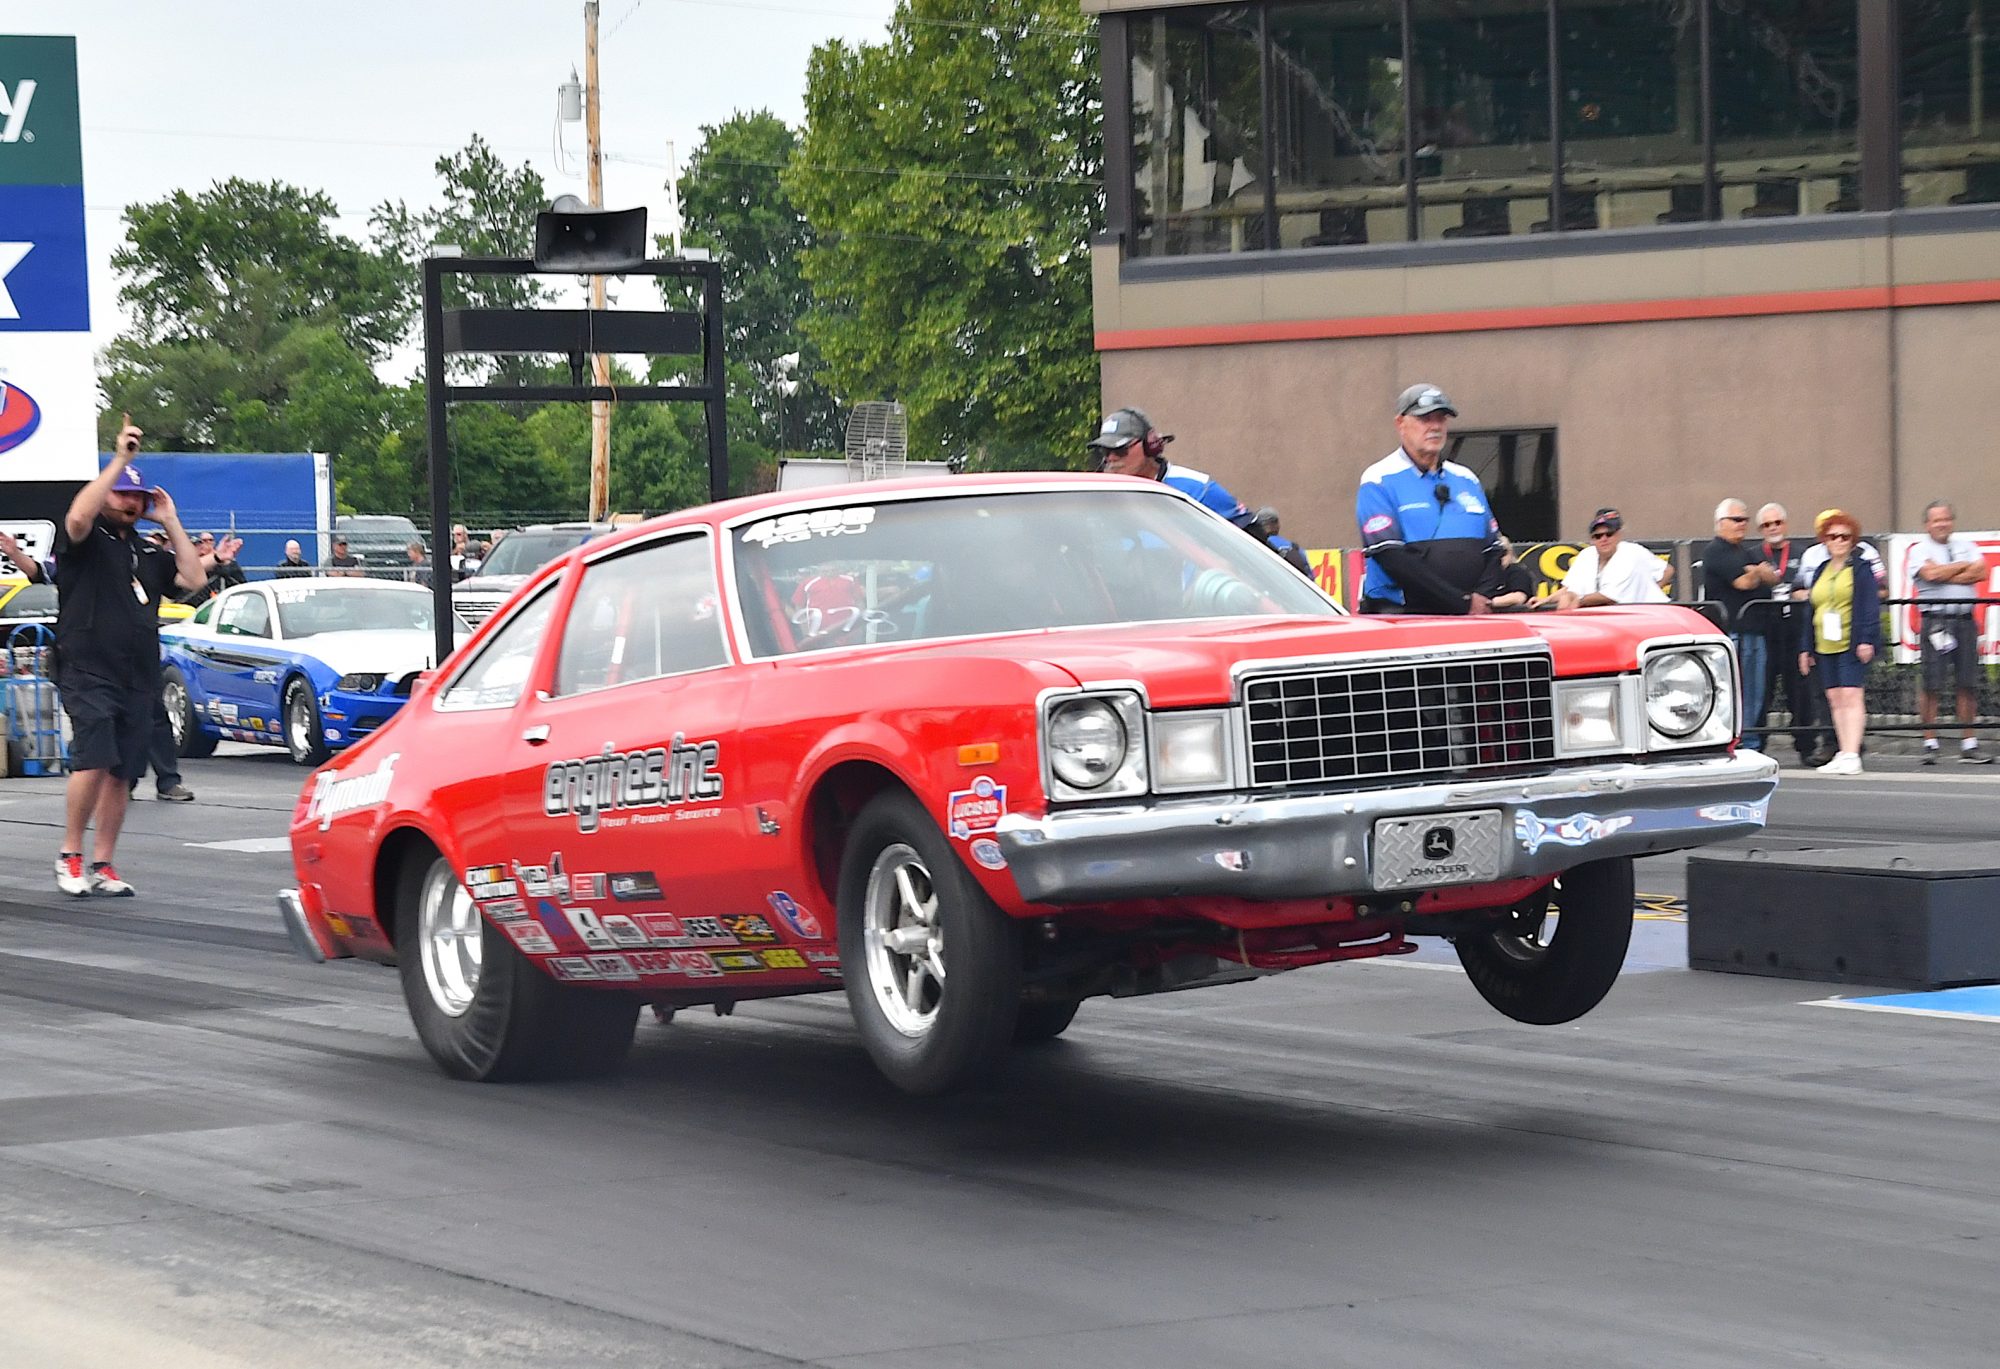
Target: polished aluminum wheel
{"points": [[299, 724], [450, 938], [174, 695], [904, 940]]}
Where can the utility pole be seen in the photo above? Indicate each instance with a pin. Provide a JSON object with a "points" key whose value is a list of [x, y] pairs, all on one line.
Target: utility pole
{"points": [[600, 365]]}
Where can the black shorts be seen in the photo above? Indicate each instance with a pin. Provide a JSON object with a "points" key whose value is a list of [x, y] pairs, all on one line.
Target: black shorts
{"points": [[110, 719], [1955, 666]]}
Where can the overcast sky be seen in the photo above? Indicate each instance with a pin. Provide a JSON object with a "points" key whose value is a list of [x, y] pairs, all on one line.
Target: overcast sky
{"points": [[358, 98]]}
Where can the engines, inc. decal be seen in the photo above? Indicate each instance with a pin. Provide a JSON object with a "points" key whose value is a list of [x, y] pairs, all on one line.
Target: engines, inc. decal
{"points": [[589, 787]]}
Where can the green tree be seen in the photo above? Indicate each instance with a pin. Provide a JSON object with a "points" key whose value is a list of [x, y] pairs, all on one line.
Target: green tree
{"points": [[486, 209], [951, 176], [734, 203], [190, 260]]}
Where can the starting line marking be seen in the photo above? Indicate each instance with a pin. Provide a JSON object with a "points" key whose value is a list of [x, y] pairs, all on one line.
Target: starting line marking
{"points": [[254, 845], [1975, 1003]]}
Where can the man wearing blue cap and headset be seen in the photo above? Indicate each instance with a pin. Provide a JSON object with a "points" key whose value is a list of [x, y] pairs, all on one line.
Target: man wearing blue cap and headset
{"points": [[108, 651], [1427, 529]]}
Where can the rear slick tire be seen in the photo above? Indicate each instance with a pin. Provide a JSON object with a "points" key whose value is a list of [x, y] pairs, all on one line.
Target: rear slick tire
{"points": [[483, 1010], [1534, 976], [931, 964]]}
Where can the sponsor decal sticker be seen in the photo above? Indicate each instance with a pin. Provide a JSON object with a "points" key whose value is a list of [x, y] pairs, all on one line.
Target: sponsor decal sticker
{"points": [[814, 957], [651, 962], [1381, 522], [736, 962], [589, 788], [694, 964], [586, 886], [782, 958], [506, 909], [987, 852], [635, 886], [587, 927], [333, 797], [664, 929], [490, 881], [530, 937], [706, 931], [613, 967], [978, 809], [803, 527], [624, 931], [534, 880], [793, 915], [571, 967], [747, 928]]}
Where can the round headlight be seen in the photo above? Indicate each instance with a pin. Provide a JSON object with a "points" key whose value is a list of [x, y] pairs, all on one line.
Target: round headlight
{"points": [[1087, 743], [1680, 694]]}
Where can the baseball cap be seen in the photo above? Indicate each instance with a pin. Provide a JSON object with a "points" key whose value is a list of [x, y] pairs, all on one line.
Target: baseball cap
{"points": [[1267, 514], [1120, 429], [131, 481], [1607, 519], [1423, 399]]}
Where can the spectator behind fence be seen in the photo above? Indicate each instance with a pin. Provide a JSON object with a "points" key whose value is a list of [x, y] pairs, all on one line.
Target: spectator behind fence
{"points": [[1839, 633], [294, 565], [1737, 572], [1613, 571], [418, 571], [1948, 572], [343, 561], [1799, 693]]}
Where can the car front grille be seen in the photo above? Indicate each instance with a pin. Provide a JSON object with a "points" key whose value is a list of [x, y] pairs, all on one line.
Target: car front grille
{"points": [[476, 609], [1422, 719]]}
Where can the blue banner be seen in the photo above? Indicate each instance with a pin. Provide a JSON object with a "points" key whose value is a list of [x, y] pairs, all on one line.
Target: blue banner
{"points": [[43, 269]]}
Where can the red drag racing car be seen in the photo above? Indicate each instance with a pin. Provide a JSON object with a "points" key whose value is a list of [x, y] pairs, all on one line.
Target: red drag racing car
{"points": [[977, 749]]}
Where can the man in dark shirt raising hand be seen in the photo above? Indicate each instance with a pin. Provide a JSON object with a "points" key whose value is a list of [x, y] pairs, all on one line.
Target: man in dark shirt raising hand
{"points": [[108, 651]]}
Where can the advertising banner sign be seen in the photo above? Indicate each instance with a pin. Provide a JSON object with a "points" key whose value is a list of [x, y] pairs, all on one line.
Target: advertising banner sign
{"points": [[48, 393]]}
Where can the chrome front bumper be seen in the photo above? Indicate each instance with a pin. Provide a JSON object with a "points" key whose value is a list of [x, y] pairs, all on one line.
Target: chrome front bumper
{"points": [[1322, 845]]}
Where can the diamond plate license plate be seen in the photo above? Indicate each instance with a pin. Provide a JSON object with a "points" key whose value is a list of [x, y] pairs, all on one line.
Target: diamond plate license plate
{"points": [[1441, 848]]}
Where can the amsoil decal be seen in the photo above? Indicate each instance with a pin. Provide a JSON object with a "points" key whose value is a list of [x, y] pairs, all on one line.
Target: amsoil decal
{"points": [[334, 795], [589, 787], [790, 912], [978, 809]]}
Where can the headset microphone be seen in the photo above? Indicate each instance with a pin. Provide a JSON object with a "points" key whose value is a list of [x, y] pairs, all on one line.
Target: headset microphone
{"points": [[1443, 494]]}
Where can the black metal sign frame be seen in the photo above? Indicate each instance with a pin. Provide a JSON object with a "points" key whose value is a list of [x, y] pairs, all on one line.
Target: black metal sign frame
{"points": [[575, 333]]}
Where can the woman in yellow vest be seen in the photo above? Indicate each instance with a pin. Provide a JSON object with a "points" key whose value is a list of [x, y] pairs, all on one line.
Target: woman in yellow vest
{"points": [[1839, 632]]}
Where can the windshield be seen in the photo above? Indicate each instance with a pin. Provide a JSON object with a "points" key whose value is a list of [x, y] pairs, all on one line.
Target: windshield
{"points": [[377, 529], [947, 567], [34, 601], [524, 553], [303, 611]]}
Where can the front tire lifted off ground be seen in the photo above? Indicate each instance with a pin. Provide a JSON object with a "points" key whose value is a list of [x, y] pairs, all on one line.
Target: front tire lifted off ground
{"points": [[1535, 975], [481, 1008], [932, 966]]}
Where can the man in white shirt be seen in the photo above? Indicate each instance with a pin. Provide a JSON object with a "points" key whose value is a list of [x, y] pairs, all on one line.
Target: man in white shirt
{"points": [[1947, 573], [1613, 571]]}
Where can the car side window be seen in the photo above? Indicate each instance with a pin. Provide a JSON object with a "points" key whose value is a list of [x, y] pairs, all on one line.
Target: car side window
{"points": [[650, 612], [499, 673], [204, 613], [246, 615]]}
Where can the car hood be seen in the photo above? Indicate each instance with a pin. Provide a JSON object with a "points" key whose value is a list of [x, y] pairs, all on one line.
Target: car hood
{"points": [[1187, 664], [384, 651], [489, 584]]}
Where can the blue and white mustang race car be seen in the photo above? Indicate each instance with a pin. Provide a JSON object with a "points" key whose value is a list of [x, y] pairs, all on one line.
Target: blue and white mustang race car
{"points": [[310, 664]]}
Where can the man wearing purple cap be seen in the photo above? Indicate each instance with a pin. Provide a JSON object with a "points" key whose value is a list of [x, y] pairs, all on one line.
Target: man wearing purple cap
{"points": [[108, 651]]}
